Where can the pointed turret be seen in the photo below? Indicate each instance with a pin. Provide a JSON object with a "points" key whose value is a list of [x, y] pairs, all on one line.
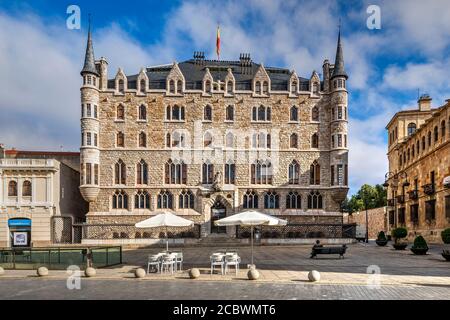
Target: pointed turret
{"points": [[339, 70], [89, 60]]}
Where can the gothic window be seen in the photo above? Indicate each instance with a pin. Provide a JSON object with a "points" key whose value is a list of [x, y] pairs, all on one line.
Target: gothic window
{"points": [[315, 141], [314, 173], [120, 200], [294, 113], [120, 112], [26, 188], [339, 115], [165, 200], [411, 128], [429, 139], [250, 200], [265, 87], [88, 139], [229, 140], [339, 140], [230, 113], [261, 140], [208, 87], [121, 86], [179, 86], [418, 147], [315, 88], [293, 200], [258, 87], [120, 139], [207, 113], [178, 140], [143, 86], [261, 172], [423, 143], [207, 173], [95, 140], [142, 200], [293, 141], [207, 140], [294, 87], [120, 172], [142, 140], [172, 86], [436, 134], [168, 140], [294, 172], [175, 113], [175, 173], [315, 114], [230, 172], [12, 189], [230, 87], [96, 174], [315, 200], [186, 200], [142, 112], [88, 110], [88, 173], [443, 129], [271, 200], [142, 173]]}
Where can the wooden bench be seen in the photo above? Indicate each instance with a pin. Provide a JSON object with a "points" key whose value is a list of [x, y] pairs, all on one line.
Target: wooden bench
{"points": [[328, 250]]}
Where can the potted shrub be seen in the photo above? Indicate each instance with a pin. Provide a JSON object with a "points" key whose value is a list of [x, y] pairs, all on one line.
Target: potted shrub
{"points": [[381, 239], [398, 234], [445, 235], [420, 246]]}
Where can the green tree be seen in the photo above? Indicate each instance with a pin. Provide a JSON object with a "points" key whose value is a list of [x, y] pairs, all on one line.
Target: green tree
{"points": [[374, 196]]}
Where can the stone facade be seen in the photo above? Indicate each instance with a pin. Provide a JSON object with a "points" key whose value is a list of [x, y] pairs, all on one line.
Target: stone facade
{"points": [[419, 198], [130, 120], [377, 220]]}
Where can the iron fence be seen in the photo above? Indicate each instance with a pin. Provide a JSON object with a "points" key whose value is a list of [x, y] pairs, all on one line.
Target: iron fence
{"points": [[300, 231], [60, 258]]}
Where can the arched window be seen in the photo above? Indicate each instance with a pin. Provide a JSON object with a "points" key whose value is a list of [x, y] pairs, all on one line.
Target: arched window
{"points": [[254, 114], [443, 129], [186, 200], [142, 173], [436, 134], [230, 173], [315, 114], [172, 86], [168, 140], [261, 172], [261, 140], [120, 112], [315, 141], [207, 113], [120, 139], [423, 143], [293, 200], [250, 200], [143, 86], [207, 173], [120, 172], [229, 140], [230, 87], [12, 189], [429, 139], [418, 147], [315, 200], [178, 140], [142, 140], [165, 200], [179, 86], [294, 172], [411, 128], [207, 139], [142, 200], [271, 200], [314, 173], [258, 87], [293, 141], [294, 87], [315, 88], [229, 113], [175, 113], [142, 112], [208, 87], [294, 113], [265, 87], [26, 188], [175, 172], [121, 86], [120, 200]]}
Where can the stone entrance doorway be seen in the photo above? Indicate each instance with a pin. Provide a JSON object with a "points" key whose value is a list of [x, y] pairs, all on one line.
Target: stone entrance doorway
{"points": [[218, 211]]}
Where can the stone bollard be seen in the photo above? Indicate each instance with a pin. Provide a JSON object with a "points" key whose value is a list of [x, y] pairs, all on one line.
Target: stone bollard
{"points": [[2, 271], [42, 271], [90, 272], [253, 274], [314, 276], [139, 273], [194, 273]]}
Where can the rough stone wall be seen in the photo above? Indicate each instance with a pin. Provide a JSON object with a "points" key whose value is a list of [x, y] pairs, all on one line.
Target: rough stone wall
{"points": [[377, 220]]}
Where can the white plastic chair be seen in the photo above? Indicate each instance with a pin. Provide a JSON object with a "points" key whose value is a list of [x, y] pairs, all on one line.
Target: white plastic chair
{"points": [[232, 260], [178, 260], [217, 260], [168, 262], [154, 260]]}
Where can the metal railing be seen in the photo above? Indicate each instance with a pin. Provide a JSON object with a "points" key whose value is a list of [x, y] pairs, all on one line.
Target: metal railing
{"points": [[60, 258]]}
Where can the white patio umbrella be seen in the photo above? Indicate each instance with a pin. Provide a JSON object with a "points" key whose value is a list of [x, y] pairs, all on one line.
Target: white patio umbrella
{"points": [[250, 218], [164, 219]]}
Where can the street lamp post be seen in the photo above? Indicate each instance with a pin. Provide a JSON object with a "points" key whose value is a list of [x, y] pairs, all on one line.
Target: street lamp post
{"points": [[394, 185], [366, 207]]}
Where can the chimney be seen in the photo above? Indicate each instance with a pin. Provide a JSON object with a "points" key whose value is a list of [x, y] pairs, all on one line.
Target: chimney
{"points": [[424, 102], [2, 151]]}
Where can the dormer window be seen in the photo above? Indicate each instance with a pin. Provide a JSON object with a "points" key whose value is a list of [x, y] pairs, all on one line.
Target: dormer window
{"points": [[265, 87], [411, 128], [230, 87], [315, 88], [258, 87], [121, 86], [179, 87], [172, 86], [143, 86], [294, 87], [208, 87]]}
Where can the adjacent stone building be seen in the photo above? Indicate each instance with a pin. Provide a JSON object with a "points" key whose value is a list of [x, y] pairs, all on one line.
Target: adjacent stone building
{"points": [[39, 198], [377, 218], [419, 157], [207, 139]]}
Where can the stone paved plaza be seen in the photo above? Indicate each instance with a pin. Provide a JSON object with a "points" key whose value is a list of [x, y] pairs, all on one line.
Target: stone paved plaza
{"points": [[283, 272]]}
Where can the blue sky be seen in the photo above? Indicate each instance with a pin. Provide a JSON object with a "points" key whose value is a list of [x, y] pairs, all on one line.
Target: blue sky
{"points": [[40, 58]]}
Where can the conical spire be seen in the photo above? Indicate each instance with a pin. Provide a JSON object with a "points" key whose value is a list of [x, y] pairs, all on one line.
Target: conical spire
{"points": [[339, 70], [89, 60]]}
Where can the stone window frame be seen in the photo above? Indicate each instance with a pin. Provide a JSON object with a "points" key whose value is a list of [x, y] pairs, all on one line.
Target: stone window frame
{"points": [[312, 112], [13, 186], [294, 172], [314, 173], [257, 111], [142, 200], [175, 172], [120, 136], [170, 110], [233, 114], [120, 173], [207, 112], [165, 200], [123, 112], [291, 120], [271, 200], [229, 136], [229, 169], [142, 173], [186, 200], [145, 88], [205, 141], [261, 140], [207, 172], [293, 197], [250, 199], [119, 200], [227, 87], [315, 200], [139, 113], [139, 140], [261, 172], [27, 188], [293, 141], [315, 141]]}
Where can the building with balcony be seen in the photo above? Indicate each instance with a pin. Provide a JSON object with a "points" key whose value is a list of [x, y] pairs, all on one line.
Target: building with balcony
{"points": [[419, 152]]}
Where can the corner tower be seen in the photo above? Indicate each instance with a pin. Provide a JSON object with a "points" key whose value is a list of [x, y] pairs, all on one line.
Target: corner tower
{"points": [[90, 126], [338, 126]]}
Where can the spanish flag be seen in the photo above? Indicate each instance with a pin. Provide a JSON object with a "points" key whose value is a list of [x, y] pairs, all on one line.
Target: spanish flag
{"points": [[218, 43]]}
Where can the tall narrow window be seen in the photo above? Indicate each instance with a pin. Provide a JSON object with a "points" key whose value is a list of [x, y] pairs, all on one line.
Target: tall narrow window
{"points": [[294, 172], [265, 87], [314, 172], [208, 87], [315, 113], [88, 173], [293, 141], [12, 189], [271, 200], [261, 172], [230, 87], [229, 140], [186, 200], [207, 140], [294, 87], [436, 134], [95, 140], [315, 141], [179, 87], [315, 200], [120, 200], [120, 172], [96, 174], [172, 86], [120, 140], [120, 112], [250, 200], [142, 112], [230, 171], [165, 200], [142, 173], [294, 114], [26, 188], [443, 129], [332, 176], [315, 88], [142, 200], [230, 113], [293, 200], [411, 128], [121, 86], [88, 138], [207, 113], [207, 173], [143, 86], [142, 140], [339, 115], [89, 110], [175, 172], [258, 87]]}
